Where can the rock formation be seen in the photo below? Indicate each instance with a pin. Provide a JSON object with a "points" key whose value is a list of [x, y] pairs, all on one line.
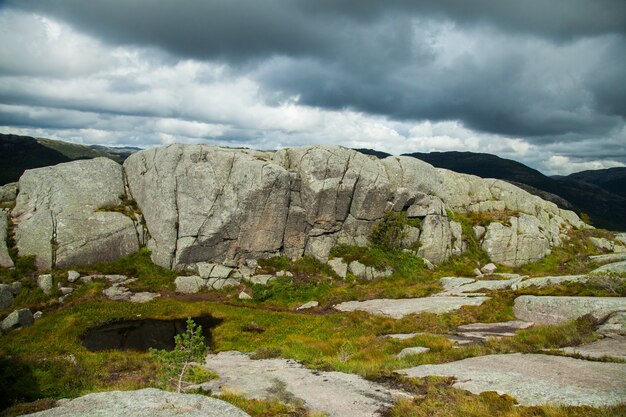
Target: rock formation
{"points": [[208, 204]]}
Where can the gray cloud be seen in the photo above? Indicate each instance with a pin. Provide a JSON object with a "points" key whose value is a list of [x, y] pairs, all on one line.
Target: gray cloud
{"points": [[550, 73]]}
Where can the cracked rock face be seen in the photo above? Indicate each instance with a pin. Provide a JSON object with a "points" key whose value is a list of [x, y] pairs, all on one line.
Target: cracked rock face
{"points": [[57, 218], [209, 204]]}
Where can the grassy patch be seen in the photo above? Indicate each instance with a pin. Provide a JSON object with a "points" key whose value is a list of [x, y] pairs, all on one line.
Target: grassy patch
{"points": [[150, 277]]}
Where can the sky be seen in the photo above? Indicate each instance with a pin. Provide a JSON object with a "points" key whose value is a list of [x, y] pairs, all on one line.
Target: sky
{"points": [[541, 82]]}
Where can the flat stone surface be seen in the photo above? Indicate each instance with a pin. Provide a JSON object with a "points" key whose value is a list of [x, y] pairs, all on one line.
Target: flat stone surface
{"points": [[189, 285], [143, 297], [608, 347], [482, 331], [545, 281], [488, 285], [614, 325], [536, 379], [609, 257], [398, 308], [310, 304], [618, 267], [401, 336], [260, 279], [449, 283], [335, 393], [416, 350], [552, 310], [149, 402]]}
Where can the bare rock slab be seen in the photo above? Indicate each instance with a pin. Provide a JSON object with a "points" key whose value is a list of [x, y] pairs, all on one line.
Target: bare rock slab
{"points": [[398, 308], [335, 393], [483, 331], [547, 281], [552, 310], [617, 267], [612, 348], [149, 402], [536, 379]]}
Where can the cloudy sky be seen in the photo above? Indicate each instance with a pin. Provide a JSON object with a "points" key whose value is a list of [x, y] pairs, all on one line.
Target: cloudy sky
{"points": [[542, 82]]}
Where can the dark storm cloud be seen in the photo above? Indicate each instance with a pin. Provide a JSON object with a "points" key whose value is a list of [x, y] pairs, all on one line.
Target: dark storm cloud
{"points": [[551, 72]]}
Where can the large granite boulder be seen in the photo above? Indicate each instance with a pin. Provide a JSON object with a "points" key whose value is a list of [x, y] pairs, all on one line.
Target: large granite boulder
{"points": [[147, 402], [209, 204], [5, 258], [59, 214]]}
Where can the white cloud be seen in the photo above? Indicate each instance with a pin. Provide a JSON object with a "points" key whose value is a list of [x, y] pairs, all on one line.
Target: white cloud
{"points": [[564, 165]]}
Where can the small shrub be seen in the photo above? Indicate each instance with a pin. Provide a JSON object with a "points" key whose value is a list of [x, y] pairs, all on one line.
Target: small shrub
{"points": [[189, 347], [390, 231]]}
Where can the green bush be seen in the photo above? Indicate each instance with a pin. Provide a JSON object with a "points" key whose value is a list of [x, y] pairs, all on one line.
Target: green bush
{"points": [[390, 231]]}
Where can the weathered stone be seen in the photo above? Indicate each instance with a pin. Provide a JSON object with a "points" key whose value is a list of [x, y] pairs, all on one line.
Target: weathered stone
{"points": [[6, 296], [429, 265], [483, 331], [621, 237], [221, 283], [261, 279], [536, 379], [18, 318], [449, 283], [284, 274], [542, 282], [477, 272], [189, 285], [117, 293], [59, 214], [336, 394], [72, 276], [37, 315], [114, 278], [411, 237], [488, 269], [398, 308], [521, 242], [479, 232], [244, 296], [5, 258], [148, 402], [551, 310], [435, 239], [617, 267], [412, 351], [66, 290], [339, 267], [357, 269], [204, 269], [143, 297], [401, 336], [310, 304], [605, 348], [614, 325], [8, 192], [45, 283], [487, 285], [221, 271], [602, 243]]}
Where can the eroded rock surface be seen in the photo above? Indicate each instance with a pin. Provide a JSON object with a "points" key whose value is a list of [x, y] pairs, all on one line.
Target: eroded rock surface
{"points": [[149, 402], [58, 218], [398, 308], [335, 393], [536, 379], [204, 203], [552, 310]]}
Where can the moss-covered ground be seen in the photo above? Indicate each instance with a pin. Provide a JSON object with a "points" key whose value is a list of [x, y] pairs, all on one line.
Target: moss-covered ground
{"points": [[48, 361]]}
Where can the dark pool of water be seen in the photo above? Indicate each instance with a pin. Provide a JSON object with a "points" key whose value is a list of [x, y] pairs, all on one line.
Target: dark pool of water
{"points": [[143, 334]]}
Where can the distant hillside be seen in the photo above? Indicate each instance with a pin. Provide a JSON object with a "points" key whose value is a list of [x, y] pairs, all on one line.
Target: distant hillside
{"points": [[612, 180], [606, 209], [372, 152], [19, 153]]}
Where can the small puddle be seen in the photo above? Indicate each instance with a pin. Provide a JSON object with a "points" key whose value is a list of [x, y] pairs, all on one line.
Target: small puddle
{"points": [[143, 334]]}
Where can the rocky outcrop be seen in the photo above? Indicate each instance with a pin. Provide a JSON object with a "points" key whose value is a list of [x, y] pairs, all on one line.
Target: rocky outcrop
{"points": [[204, 203], [60, 218], [208, 204], [148, 402]]}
